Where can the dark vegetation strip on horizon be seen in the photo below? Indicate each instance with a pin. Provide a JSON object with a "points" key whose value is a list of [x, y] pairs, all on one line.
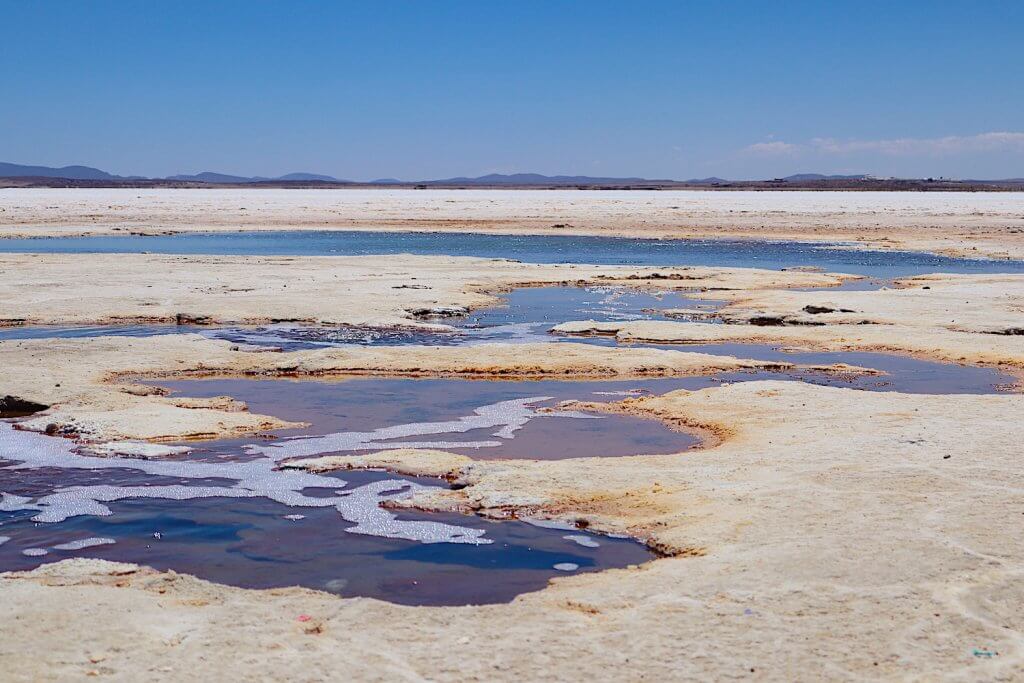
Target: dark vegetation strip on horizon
{"points": [[880, 185]]}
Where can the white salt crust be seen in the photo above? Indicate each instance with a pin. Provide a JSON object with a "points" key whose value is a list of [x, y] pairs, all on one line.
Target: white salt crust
{"points": [[134, 449], [81, 543], [261, 477], [255, 478], [580, 539]]}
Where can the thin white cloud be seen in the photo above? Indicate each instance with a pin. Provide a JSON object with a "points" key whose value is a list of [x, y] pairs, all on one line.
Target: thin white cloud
{"points": [[1002, 141], [772, 148]]}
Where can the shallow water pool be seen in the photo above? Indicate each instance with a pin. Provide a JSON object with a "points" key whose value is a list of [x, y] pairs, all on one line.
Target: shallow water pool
{"points": [[369, 407], [171, 514], [529, 248]]}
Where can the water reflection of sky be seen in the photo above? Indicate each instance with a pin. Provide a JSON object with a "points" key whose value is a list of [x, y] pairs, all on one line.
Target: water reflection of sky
{"points": [[527, 248]]}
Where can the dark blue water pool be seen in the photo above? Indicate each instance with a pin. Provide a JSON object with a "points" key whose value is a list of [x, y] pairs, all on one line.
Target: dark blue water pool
{"points": [[156, 513], [255, 544], [530, 248]]}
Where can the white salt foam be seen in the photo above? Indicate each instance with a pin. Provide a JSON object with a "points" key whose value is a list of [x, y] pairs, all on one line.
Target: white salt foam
{"points": [[583, 540], [84, 543], [254, 478], [508, 416]]}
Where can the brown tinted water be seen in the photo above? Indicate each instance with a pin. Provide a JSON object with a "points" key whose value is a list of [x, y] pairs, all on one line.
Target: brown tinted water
{"points": [[361, 405], [902, 373]]}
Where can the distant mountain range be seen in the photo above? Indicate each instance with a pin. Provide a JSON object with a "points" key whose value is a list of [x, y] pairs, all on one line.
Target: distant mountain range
{"points": [[73, 172], [89, 173], [517, 179], [211, 177], [94, 176]]}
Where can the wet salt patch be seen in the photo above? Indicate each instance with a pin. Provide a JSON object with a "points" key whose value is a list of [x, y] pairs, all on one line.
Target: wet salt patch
{"points": [[509, 416], [253, 478], [292, 336], [83, 543], [135, 449], [35, 552], [302, 336], [519, 333], [583, 540], [566, 566], [88, 500], [612, 314], [4, 539], [435, 445], [10, 502], [336, 585], [549, 523]]}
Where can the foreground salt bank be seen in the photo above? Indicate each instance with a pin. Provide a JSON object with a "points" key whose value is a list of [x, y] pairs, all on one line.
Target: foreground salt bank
{"points": [[822, 532], [772, 529]]}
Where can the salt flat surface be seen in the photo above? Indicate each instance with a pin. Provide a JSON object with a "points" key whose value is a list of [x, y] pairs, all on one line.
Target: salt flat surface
{"points": [[497, 203]]}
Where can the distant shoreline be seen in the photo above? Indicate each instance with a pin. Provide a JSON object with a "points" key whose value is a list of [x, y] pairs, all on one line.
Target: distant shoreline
{"points": [[825, 185], [961, 224]]}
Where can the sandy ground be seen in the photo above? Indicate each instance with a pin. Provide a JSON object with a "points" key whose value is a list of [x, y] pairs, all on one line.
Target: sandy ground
{"points": [[974, 224], [834, 535]]}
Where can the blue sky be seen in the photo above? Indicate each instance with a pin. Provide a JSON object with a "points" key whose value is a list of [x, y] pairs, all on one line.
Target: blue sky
{"points": [[435, 89]]}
